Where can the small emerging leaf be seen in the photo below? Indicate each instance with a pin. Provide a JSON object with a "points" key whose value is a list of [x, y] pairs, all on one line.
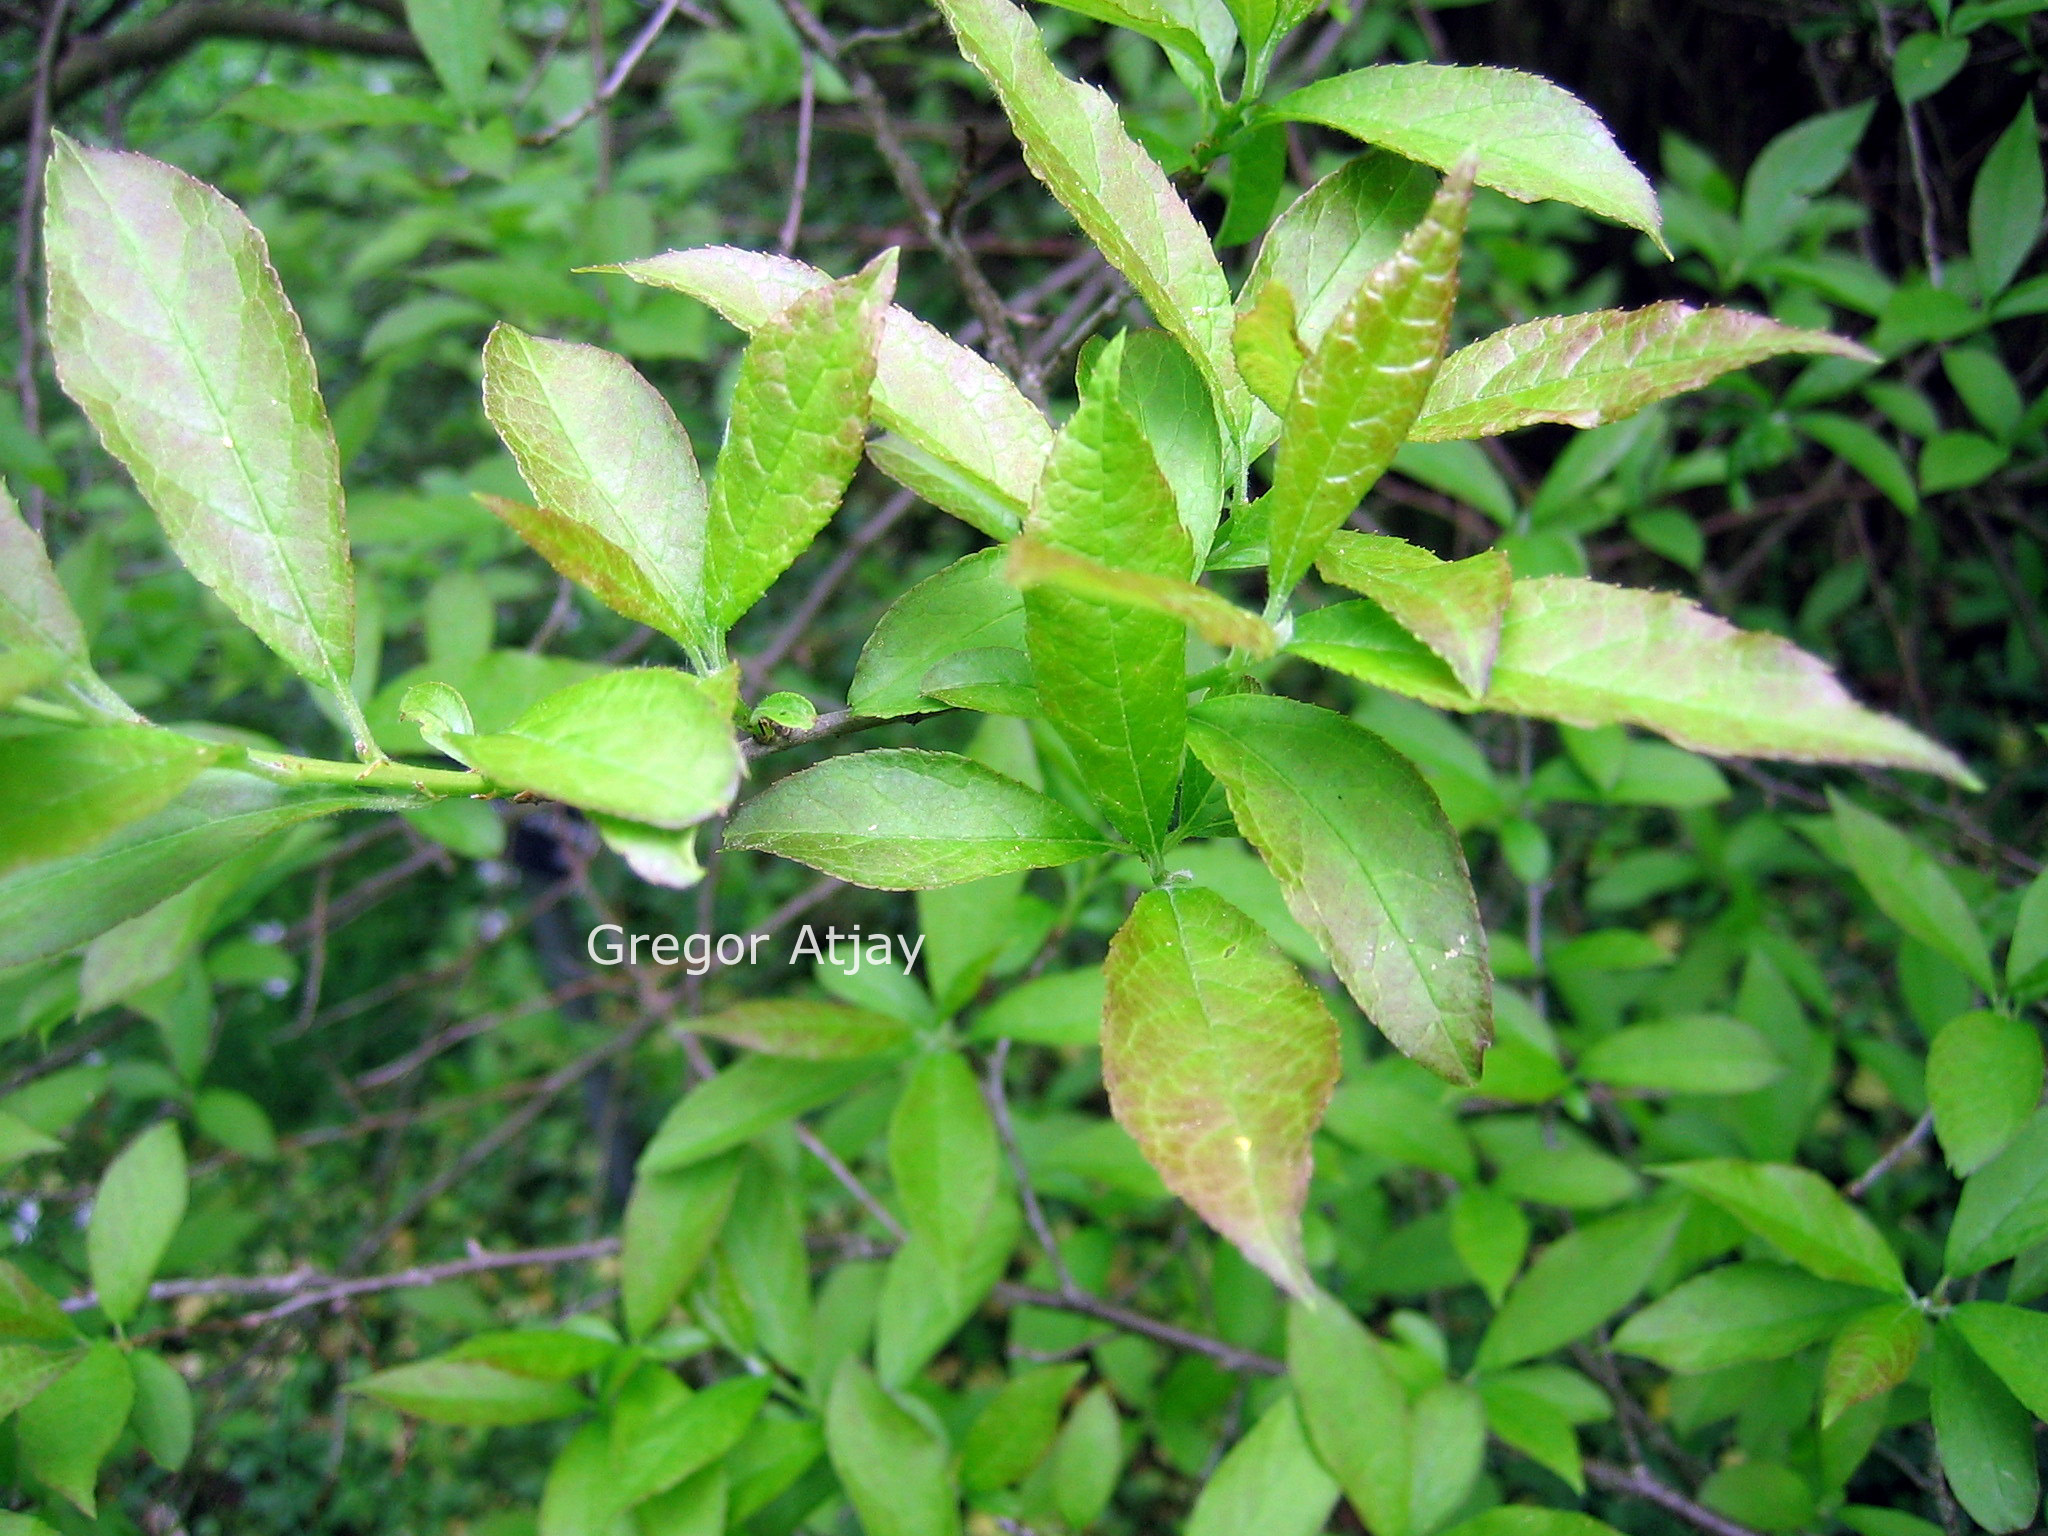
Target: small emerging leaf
{"points": [[1219, 1061], [1873, 1353]]}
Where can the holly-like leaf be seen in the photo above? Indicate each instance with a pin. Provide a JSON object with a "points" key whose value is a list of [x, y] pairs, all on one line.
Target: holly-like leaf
{"points": [[1075, 142], [1219, 1061], [651, 745], [50, 908], [1799, 1212], [893, 1465], [793, 441], [1368, 865], [1209, 614], [967, 606], [1874, 1352], [1533, 139], [1358, 393], [904, 820], [1455, 607], [35, 613], [1110, 675], [1984, 1075], [1330, 240], [63, 791], [813, 1031], [1590, 369], [600, 449], [955, 409], [140, 1201], [1355, 1410], [172, 333]]}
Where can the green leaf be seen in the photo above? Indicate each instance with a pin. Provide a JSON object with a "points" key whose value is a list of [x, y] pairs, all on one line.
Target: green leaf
{"points": [[1269, 353], [2026, 961], [1358, 393], [1368, 864], [1531, 1520], [578, 1498], [1012, 1434], [1926, 62], [1984, 1074], [2007, 204], [1491, 1236], [893, 1466], [1533, 139], [162, 1414], [24, 1525], [744, 1100], [26, 1371], [967, 606], [2004, 1206], [1579, 1282], [236, 1121], [1396, 1113], [950, 404], [19, 1139], [1449, 1434], [943, 1154], [63, 791], [900, 820], [1215, 618], [1059, 1008], [1160, 385], [600, 449], [1270, 1482], [1798, 164], [1086, 1460], [171, 332], [2013, 1341], [793, 440], [1984, 1437], [1453, 607], [1110, 675], [929, 1292], [1589, 369], [651, 745], [651, 1453], [1737, 1314], [1331, 239], [139, 1203], [1219, 1060], [23, 672], [448, 1391], [788, 1026], [1873, 1353], [1075, 142], [1354, 1409], [1589, 654], [1912, 890], [35, 613], [66, 1431], [1535, 1426], [1703, 1054], [1864, 451], [459, 38], [28, 1313], [1799, 1212], [671, 1221], [545, 1354]]}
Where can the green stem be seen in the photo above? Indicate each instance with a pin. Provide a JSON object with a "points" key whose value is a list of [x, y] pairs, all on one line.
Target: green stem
{"points": [[285, 768]]}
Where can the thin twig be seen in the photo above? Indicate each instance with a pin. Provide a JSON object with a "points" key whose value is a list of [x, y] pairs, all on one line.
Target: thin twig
{"points": [[316, 954], [616, 80], [809, 1140], [1857, 1188], [829, 726], [1227, 1355], [1643, 1484], [996, 1091], [800, 179], [828, 582]]}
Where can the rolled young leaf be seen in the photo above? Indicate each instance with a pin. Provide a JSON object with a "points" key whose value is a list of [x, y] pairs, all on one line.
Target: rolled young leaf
{"points": [[947, 402], [1357, 394], [598, 444], [905, 820], [1587, 370], [1455, 607], [1219, 1059], [172, 333], [1075, 142], [1368, 864], [1534, 140], [1112, 677], [793, 441]]}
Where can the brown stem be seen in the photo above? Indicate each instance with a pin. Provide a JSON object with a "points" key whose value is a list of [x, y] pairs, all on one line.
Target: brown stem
{"points": [[1643, 1484]]}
